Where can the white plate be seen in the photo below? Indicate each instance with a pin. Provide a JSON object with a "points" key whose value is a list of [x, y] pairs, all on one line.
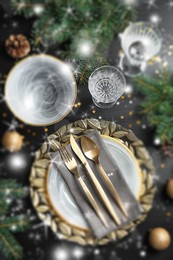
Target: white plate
{"points": [[60, 196], [40, 90]]}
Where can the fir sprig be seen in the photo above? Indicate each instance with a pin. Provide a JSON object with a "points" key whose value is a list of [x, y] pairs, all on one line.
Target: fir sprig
{"points": [[9, 246], [12, 188], [75, 22], [15, 223], [84, 67], [158, 103]]}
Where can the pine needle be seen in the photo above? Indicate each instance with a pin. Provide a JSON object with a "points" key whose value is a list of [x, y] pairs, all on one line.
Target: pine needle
{"points": [[158, 103]]}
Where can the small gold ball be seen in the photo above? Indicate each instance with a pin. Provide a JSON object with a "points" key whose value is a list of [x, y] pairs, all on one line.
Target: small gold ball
{"points": [[12, 141], [159, 239], [169, 188]]}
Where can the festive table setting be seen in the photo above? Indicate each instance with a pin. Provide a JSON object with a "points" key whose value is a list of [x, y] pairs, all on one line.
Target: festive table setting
{"points": [[86, 109]]}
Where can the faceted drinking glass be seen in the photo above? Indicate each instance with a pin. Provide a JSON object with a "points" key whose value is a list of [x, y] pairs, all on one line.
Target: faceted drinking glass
{"points": [[106, 85]]}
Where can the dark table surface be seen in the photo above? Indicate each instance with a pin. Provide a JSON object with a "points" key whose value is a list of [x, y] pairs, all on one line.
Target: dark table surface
{"points": [[39, 242]]}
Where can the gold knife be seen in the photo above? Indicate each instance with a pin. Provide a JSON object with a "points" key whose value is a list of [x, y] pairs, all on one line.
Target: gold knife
{"points": [[97, 184]]}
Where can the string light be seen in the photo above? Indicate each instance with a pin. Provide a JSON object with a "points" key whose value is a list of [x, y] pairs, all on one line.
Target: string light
{"points": [[38, 9], [96, 251], [85, 115], [78, 252], [13, 125], [157, 141], [151, 3], [85, 48], [13, 227], [16, 161], [143, 253], [129, 89], [14, 24], [66, 69], [40, 225], [154, 18], [60, 254], [69, 10], [170, 4], [7, 191], [8, 200]]}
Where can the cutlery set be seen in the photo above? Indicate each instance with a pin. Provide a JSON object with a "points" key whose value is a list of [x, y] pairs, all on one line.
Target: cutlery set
{"points": [[89, 149]]}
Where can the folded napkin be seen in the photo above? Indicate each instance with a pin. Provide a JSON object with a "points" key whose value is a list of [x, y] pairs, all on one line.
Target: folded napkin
{"points": [[131, 204]]}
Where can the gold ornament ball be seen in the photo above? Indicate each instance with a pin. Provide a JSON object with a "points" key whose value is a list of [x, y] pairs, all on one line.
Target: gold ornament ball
{"points": [[169, 189], [12, 141], [159, 239]]}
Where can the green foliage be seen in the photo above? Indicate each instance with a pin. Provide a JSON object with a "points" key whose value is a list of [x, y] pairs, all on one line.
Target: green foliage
{"points": [[76, 22], [158, 103], [12, 188], [84, 67], [3, 208], [9, 246], [93, 20]]}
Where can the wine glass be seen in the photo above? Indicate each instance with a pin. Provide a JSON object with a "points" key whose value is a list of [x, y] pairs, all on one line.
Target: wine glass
{"points": [[140, 42]]}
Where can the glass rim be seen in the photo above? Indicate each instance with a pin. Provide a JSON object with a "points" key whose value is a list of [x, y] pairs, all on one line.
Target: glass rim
{"points": [[116, 69], [108, 66], [146, 24]]}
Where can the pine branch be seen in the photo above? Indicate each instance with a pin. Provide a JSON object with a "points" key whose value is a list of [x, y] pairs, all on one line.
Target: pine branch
{"points": [[12, 188], [27, 7], [15, 224], [76, 22], [84, 67], [150, 106], [3, 207], [158, 103], [9, 245], [145, 85]]}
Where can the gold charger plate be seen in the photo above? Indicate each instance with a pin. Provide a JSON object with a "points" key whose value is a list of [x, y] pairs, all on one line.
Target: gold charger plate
{"points": [[40, 171]]}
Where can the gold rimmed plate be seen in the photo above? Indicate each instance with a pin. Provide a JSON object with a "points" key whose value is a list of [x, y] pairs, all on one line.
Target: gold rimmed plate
{"points": [[61, 199], [40, 90], [52, 198]]}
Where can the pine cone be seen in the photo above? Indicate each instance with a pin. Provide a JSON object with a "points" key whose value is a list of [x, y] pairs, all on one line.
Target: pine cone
{"points": [[17, 46], [168, 149]]}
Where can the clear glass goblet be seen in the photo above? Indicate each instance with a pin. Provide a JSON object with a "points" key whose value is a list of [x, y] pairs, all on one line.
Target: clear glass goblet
{"points": [[106, 85], [140, 42]]}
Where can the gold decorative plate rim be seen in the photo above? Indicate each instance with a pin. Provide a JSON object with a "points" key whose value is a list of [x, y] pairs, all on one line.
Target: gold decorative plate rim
{"points": [[137, 169], [42, 161]]}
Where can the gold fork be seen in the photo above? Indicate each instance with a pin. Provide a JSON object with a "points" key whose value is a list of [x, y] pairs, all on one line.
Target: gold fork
{"points": [[71, 165]]}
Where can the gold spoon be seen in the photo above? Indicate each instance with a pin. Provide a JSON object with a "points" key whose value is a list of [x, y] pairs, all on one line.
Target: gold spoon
{"points": [[92, 152]]}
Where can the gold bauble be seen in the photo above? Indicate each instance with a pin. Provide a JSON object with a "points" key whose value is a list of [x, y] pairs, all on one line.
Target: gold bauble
{"points": [[12, 141], [169, 189], [159, 239]]}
